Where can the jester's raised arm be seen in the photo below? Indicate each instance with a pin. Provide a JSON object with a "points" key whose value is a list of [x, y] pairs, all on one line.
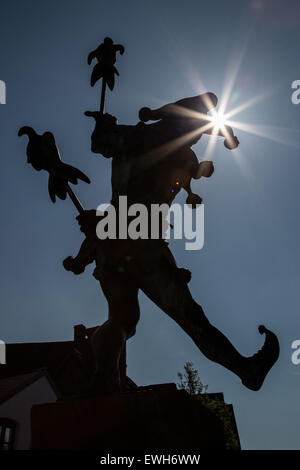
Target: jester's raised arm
{"points": [[108, 138]]}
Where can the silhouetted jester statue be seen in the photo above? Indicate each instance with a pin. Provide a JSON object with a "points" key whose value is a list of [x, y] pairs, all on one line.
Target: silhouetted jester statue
{"points": [[151, 163]]}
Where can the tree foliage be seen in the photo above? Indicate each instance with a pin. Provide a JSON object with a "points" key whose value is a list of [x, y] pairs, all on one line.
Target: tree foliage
{"points": [[190, 382]]}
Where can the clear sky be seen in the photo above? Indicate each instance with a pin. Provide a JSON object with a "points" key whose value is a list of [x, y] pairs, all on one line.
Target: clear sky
{"points": [[248, 271]]}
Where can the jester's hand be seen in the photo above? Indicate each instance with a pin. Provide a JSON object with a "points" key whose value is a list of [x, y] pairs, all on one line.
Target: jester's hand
{"points": [[70, 265], [87, 221], [106, 120]]}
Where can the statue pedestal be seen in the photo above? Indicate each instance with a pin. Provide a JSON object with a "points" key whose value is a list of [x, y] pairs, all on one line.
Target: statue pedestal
{"points": [[145, 419]]}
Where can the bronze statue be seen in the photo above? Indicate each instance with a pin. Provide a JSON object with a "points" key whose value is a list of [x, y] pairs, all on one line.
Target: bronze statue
{"points": [[150, 164]]}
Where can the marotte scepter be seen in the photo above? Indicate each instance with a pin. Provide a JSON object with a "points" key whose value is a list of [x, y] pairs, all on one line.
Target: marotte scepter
{"points": [[105, 68], [43, 154]]}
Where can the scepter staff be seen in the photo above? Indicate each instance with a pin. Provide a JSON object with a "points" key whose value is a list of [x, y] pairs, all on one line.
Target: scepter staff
{"points": [[105, 68]]}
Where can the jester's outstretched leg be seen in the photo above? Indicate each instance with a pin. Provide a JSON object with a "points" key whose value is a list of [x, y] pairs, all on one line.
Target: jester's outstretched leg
{"points": [[167, 287], [153, 269]]}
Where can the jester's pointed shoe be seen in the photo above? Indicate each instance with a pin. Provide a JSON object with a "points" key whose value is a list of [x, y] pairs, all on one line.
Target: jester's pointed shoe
{"points": [[258, 365]]}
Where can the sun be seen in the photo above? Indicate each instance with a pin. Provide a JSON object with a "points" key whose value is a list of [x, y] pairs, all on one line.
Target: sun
{"points": [[218, 121]]}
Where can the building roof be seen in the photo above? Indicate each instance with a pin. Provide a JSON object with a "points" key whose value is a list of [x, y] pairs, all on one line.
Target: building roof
{"points": [[30, 357], [69, 364], [11, 385]]}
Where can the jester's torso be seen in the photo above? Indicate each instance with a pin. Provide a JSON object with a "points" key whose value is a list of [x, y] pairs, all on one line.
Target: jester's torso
{"points": [[150, 163]]}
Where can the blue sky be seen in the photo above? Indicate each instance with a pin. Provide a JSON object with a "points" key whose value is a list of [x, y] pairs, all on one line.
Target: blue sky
{"points": [[248, 271]]}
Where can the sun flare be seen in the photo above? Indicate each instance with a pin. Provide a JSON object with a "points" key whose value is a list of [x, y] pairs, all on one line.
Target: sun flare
{"points": [[218, 120]]}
